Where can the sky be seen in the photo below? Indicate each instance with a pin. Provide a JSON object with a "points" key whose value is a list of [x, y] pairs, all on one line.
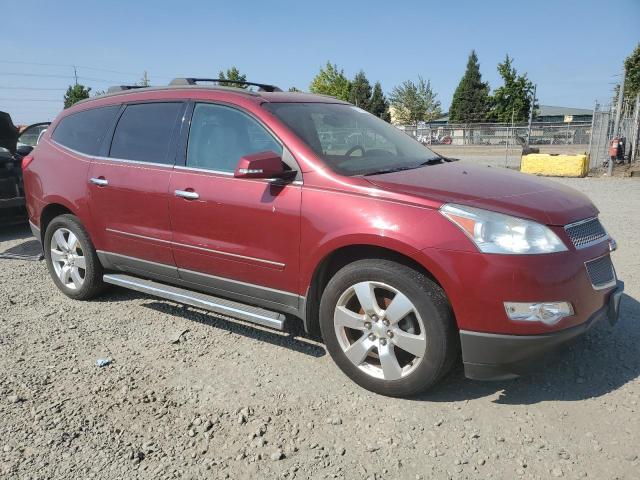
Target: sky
{"points": [[572, 49]]}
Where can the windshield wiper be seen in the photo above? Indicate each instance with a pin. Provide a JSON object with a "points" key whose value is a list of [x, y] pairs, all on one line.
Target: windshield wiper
{"points": [[389, 170], [432, 161]]}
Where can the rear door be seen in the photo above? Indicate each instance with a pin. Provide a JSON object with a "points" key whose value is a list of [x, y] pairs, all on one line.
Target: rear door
{"points": [[239, 237], [128, 188]]}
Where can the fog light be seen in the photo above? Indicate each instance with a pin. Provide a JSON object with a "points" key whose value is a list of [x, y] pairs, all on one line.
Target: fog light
{"points": [[548, 313]]}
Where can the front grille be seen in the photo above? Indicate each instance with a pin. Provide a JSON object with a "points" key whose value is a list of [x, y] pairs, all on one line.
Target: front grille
{"points": [[601, 272], [586, 232]]}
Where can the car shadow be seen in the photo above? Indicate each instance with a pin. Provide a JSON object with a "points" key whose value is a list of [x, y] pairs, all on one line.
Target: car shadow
{"points": [[15, 232], [293, 337], [30, 249], [602, 361]]}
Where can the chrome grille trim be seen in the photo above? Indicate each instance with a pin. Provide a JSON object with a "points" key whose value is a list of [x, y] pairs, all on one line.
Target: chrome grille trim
{"points": [[601, 272], [586, 232]]}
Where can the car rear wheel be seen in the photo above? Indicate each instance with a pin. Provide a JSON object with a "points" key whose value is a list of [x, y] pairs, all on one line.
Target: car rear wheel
{"points": [[388, 327], [71, 258]]}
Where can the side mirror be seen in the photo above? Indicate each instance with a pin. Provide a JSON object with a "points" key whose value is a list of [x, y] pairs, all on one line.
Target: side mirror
{"points": [[261, 165], [24, 150]]}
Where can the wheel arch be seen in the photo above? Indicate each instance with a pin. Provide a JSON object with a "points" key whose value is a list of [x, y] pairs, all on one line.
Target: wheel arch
{"points": [[343, 255], [51, 211]]}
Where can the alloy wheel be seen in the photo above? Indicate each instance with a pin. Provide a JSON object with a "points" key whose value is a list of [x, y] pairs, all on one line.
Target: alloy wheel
{"points": [[67, 258], [380, 330]]}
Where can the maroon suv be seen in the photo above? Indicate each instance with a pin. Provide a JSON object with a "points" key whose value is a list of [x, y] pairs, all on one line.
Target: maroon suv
{"points": [[264, 205]]}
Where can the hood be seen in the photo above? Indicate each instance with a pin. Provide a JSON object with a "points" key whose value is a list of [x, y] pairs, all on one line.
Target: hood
{"points": [[497, 189]]}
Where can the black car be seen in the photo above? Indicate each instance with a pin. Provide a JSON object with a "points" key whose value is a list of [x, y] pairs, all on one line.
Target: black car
{"points": [[14, 146]]}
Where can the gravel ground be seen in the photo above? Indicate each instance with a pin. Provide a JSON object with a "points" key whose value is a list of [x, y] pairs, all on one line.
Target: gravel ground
{"points": [[190, 394]]}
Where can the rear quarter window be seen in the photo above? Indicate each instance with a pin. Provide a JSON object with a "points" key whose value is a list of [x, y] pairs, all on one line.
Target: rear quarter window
{"points": [[84, 131]]}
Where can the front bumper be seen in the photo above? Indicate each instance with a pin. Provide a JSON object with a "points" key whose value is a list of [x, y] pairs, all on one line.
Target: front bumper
{"points": [[489, 356]]}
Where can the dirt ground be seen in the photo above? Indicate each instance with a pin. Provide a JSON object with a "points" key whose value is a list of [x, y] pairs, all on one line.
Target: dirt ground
{"points": [[191, 395]]}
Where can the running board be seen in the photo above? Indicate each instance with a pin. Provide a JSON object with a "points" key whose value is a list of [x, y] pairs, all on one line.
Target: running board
{"points": [[222, 306]]}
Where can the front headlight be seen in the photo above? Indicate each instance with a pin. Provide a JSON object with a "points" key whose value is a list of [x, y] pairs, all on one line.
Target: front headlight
{"points": [[497, 233]]}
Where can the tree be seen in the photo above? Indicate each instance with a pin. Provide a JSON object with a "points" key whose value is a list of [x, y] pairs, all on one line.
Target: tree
{"points": [[331, 81], [75, 93], [413, 103], [513, 99], [360, 91], [232, 74], [632, 77], [378, 105], [293, 89], [471, 101]]}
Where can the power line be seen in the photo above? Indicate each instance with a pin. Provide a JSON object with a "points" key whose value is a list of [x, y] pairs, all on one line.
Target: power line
{"points": [[32, 88], [28, 100], [70, 77], [98, 69]]}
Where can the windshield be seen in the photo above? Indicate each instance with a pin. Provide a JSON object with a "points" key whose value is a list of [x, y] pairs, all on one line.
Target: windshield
{"points": [[350, 140]]}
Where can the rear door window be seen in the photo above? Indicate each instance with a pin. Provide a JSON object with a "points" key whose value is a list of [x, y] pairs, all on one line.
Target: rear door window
{"points": [[84, 131], [144, 132]]}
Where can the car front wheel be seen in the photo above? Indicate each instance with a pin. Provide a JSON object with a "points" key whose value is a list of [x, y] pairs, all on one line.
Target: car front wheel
{"points": [[388, 327]]}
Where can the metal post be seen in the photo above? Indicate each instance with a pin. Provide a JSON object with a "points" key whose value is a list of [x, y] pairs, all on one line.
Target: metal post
{"points": [[616, 124], [593, 120], [598, 138], [636, 130], [509, 134], [533, 103]]}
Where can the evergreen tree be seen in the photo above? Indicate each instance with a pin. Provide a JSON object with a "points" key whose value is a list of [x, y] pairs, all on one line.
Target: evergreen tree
{"points": [[471, 101], [360, 91], [331, 81], [75, 93], [379, 106], [513, 99], [232, 74], [413, 103]]}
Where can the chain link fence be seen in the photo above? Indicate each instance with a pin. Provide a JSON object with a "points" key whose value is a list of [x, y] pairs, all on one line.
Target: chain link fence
{"points": [[603, 127], [494, 134]]}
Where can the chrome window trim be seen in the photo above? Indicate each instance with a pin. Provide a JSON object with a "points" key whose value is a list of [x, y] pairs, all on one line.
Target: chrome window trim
{"points": [[239, 282], [112, 159], [235, 255], [593, 242], [612, 283], [204, 170], [231, 175]]}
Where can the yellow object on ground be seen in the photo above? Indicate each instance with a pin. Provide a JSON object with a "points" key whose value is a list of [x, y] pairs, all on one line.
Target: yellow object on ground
{"points": [[555, 165]]}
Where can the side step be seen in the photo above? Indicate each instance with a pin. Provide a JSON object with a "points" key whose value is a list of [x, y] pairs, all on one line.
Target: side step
{"points": [[222, 306]]}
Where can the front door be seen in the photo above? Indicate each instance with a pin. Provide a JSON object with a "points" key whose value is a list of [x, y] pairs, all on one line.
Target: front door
{"points": [[129, 189], [237, 237]]}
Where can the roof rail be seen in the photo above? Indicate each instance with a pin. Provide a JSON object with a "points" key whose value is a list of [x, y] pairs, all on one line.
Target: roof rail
{"points": [[194, 81], [122, 88]]}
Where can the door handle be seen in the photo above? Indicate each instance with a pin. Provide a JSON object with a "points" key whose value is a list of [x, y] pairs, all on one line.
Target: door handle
{"points": [[101, 182], [186, 194]]}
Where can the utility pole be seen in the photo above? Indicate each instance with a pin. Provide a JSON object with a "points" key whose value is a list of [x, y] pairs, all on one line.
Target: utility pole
{"points": [[75, 74], [616, 124], [533, 104]]}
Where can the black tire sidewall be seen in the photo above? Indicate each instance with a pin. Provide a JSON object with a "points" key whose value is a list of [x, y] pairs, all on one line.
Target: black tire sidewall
{"points": [[93, 271], [432, 305]]}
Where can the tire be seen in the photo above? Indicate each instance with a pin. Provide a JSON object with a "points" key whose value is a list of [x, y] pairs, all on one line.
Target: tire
{"points": [[78, 258], [364, 347]]}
